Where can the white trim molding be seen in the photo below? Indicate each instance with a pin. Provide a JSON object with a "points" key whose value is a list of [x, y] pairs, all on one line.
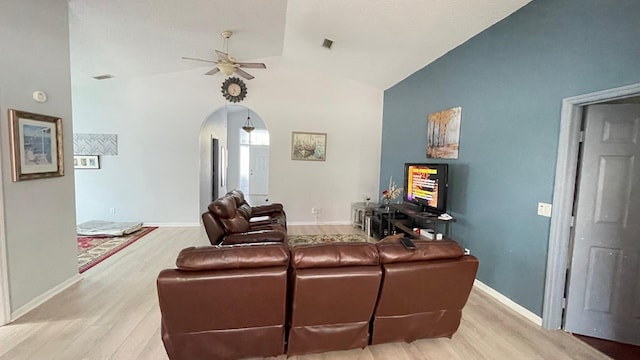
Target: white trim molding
{"points": [[508, 302], [296, 223], [44, 297], [563, 193], [172, 224], [5, 300]]}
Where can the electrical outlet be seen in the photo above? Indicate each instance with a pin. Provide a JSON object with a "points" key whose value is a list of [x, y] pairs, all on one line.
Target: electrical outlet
{"points": [[112, 211], [544, 209], [315, 210]]}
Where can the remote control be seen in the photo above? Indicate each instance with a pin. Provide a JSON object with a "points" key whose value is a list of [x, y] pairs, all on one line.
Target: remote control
{"points": [[408, 244]]}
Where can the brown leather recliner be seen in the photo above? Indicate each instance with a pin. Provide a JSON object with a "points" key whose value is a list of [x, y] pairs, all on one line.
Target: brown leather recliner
{"points": [[423, 291], [225, 302], [224, 224], [261, 214], [334, 288]]}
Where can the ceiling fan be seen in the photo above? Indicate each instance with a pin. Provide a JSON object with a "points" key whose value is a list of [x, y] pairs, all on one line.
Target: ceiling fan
{"points": [[227, 64]]}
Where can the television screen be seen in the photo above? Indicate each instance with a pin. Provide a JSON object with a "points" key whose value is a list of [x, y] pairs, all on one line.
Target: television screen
{"points": [[427, 185]]}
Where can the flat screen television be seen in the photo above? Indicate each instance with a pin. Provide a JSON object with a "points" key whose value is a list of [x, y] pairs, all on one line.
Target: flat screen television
{"points": [[426, 185]]}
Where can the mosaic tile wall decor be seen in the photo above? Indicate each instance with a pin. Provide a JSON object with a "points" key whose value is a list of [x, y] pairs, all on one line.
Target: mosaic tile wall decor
{"points": [[95, 144]]}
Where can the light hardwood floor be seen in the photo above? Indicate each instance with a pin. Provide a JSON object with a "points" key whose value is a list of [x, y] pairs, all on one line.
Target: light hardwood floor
{"points": [[112, 313]]}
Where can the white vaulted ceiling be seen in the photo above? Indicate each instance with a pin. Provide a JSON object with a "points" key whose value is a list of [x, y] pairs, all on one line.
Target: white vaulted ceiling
{"points": [[376, 42]]}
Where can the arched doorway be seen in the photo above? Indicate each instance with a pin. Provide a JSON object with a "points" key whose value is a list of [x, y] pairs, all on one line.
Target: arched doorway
{"points": [[231, 158]]}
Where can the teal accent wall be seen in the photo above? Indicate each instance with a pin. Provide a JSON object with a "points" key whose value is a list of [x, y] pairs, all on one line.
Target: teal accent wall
{"points": [[510, 81]]}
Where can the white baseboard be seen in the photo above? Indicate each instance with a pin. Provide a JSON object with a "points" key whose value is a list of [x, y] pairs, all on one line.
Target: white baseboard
{"points": [[44, 297], [508, 302], [172, 224], [318, 223]]}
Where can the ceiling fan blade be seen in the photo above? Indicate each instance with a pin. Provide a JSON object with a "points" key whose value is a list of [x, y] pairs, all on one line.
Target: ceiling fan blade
{"points": [[212, 71], [252, 65], [190, 58], [244, 74], [223, 56]]}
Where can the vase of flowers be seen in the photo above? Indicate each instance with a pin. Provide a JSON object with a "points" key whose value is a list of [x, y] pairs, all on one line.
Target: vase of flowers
{"points": [[391, 193]]}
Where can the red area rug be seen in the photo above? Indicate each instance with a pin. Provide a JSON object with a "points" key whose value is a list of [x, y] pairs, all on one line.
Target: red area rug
{"points": [[94, 250]]}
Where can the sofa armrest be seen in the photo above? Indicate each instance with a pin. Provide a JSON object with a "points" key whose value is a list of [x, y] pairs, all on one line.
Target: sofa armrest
{"points": [[262, 210], [255, 236], [262, 221]]}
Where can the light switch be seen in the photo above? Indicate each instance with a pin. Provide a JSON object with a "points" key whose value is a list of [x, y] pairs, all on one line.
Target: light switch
{"points": [[544, 209]]}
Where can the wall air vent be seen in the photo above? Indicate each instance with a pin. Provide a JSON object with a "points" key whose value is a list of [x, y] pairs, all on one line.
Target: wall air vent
{"points": [[103, 77], [327, 43]]}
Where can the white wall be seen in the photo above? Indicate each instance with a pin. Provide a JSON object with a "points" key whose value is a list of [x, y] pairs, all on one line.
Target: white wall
{"points": [[39, 215], [155, 177]]}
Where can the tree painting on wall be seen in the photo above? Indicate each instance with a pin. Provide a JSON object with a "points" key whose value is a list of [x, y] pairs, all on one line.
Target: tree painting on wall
{"points": [[443, 133]]}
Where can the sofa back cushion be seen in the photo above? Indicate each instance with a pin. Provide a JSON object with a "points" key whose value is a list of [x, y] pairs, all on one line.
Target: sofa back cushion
{"points": [[334, 255], [425, 250], [224, 207], [227, 213], [245, 211], [213, 228], [333, 290], [423, 291], [238, 195], [232, 257], [233, 308]]}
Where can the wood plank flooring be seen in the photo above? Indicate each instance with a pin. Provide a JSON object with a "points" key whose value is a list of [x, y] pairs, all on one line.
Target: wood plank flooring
{"points": [[112, 313]]}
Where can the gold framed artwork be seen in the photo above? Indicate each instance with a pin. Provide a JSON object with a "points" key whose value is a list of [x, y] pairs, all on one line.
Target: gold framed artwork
{"points": [[308, 146], [36, 145], [443, 133], [86, 162]]}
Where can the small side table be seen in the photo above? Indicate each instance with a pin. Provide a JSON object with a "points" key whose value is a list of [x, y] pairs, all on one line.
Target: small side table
{"points": [[360, 212]]}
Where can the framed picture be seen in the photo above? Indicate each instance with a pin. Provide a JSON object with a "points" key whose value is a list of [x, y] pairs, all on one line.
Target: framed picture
{"points": [[86, 162], [36, 145], [308, 146], [443, 133]]}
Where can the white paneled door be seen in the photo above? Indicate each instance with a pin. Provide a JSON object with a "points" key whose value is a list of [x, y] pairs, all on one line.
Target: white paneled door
{"points": [[603, 298], [259, 170]]}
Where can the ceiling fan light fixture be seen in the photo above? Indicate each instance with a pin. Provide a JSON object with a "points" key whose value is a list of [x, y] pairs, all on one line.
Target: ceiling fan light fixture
{"points": [[226, 69], [248, 126]]}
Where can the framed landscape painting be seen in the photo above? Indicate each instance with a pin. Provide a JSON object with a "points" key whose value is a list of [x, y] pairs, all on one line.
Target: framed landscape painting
{"points": [[443, 133], [36, 145], [308, 146]]}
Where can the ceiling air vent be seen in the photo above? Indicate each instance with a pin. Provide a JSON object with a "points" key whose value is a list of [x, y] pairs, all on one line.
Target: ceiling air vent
{"points": [[327, 43], [103, 77]]}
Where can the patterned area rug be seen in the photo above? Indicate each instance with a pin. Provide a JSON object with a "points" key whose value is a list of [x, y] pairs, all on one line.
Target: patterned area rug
{"points": [[295, 240], [94, 250]]}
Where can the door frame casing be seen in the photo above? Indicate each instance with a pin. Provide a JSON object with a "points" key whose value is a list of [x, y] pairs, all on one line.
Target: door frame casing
{"points": [[563, 196], [5, 301]]}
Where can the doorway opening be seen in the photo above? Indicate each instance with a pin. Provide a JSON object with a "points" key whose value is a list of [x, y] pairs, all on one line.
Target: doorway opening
{"points": [[231, 158], [567, 179]]}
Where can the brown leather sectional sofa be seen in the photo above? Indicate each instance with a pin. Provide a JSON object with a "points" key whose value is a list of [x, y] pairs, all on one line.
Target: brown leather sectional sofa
{"points": [[264, 299], [231, 220]]}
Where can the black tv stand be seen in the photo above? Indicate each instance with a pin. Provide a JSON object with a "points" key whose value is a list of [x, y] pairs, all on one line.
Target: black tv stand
{"points": [[429, 214], [404, 218]]}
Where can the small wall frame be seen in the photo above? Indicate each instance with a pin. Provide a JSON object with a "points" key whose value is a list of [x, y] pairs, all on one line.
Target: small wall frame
{"points": [[86, 162]]}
